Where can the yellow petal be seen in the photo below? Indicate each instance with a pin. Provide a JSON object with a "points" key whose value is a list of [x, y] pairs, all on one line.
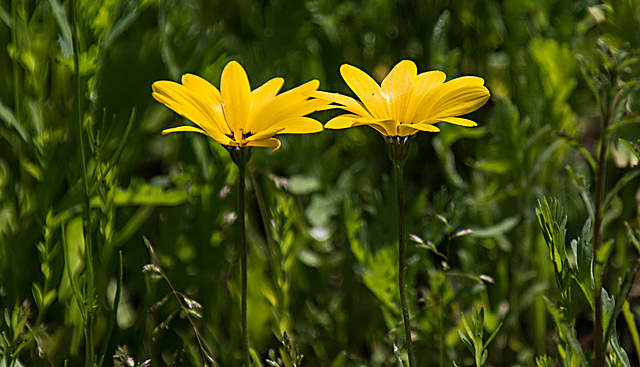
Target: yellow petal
{"points": [[191, 106], [267, 143], [406, 130], [266, 92], [299, 125], [295, 125], [459, 121], [421, 127], [235, 96], [384, 126], [341, 122], [222, 139], [367, 90], [423, 83], [293, 103], [397, 86], [201, 87], [344, 102], [454, 98]]}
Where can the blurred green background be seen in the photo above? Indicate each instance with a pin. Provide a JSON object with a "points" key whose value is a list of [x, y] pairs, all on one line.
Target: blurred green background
{"points": [[327, 274]]}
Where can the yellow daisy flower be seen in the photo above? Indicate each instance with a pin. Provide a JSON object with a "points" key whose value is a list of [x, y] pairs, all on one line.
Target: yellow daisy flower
{"points": [[236, 116], [406, 102]]}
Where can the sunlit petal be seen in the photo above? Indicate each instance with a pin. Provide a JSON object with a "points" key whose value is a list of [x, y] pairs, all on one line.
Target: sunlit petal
{"points": [[201, 87], [235, 96], [222, 139], [345, 102], [384, 126], [341, 122], [266, 92], [459, 121], [266, 143], [397, 87], [422, 127], [187, 104], [293, 103], [454, 98], [367, 90], [423, 83]]}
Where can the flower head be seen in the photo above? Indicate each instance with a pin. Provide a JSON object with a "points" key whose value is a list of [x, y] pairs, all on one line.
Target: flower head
{"points": [[406, 102], [236, 116]]}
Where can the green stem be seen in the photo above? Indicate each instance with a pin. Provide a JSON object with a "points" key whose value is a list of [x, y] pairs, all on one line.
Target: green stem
{"points": [[598, 341], [243, 244], [599, 344], [398, 148], [402, 266], [89, 295], [240, 157]]}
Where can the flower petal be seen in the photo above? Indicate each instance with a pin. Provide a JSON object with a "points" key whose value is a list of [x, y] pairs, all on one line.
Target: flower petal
{"points": [[295, 125], [235, 96], [266, 92], [300, 125], [405, 129], [457, 97], [220, 138], [459, 121], [397, 87], [367, 90], [386, 127], [423, 83], [267, 143], [292, 103], [189, 105], [341, 122], [344, 102], [201, 87]]}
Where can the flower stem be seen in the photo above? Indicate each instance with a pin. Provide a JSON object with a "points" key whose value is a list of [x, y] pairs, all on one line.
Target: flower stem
{"points": [[599, 344], [402, 266], [243, 250], [240, 157], [398, 147]]}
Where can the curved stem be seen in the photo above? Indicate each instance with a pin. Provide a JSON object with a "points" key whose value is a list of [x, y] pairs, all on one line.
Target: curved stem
{"points": [[243, 260], [398, 168]]}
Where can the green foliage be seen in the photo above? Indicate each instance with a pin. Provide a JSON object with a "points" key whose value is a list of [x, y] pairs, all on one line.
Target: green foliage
{"points": [[502, 216], [472, 337]]}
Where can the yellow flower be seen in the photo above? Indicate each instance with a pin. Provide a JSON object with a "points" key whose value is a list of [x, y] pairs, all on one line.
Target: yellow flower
{"points": [[406, 102], [236, 116]]}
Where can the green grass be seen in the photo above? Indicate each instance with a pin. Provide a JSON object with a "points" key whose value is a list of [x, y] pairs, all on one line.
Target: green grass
{"points": [[89, 188]]}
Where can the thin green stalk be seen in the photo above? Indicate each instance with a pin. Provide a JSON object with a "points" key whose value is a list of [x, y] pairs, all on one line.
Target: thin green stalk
{"points": [[598, 332], [402, 266], [243, 260], [398, 148], [88, 311], [240, 157]]}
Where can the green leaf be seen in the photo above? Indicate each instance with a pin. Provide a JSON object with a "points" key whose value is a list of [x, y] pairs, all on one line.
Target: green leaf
{"points": [[8, 117], [495, 166], [303, 185], [141, 193], [60, 16], [340, 360], [583, 251], [503, 227], [566, 332]]}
